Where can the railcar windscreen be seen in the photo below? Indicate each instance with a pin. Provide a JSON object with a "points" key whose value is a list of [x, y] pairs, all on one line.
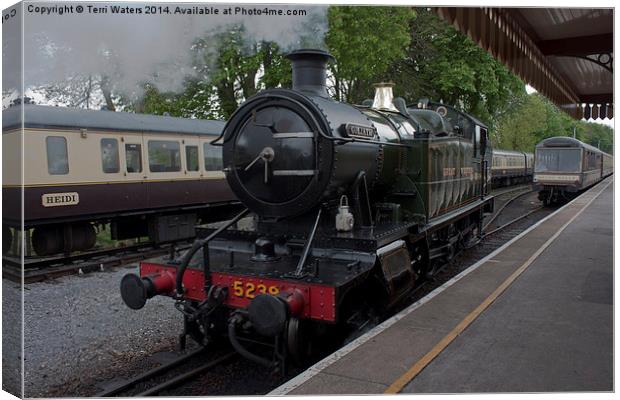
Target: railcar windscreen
{"points": [[558, 160]]}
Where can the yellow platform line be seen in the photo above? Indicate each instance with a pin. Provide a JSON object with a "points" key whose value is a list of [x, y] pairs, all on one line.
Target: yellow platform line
{"points": [[408, 376]]}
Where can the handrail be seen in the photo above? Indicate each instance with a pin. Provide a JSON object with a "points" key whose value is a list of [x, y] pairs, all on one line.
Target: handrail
{"points": [[199, 243]]}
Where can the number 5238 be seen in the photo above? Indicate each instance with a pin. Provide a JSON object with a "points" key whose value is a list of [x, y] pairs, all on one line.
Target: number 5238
{"points": [[250, 289]]}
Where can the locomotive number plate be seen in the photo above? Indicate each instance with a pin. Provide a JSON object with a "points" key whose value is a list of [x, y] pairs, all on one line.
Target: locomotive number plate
{"points": [[250, 289]]}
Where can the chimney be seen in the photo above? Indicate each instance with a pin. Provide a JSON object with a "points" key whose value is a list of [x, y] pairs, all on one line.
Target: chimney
{"points": [[384, 98], [310, 70]]}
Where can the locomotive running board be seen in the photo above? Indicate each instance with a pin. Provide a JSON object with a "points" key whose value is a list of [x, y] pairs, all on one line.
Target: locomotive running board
{"points": [[447, 218]]}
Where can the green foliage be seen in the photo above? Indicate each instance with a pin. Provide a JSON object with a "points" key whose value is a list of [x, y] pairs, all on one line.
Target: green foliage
{"points": [[535, 118], [597, 135], [522, 128], [365, 42], [443, 64], [229, 71]]}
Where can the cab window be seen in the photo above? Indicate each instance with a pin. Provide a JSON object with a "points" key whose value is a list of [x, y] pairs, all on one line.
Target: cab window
{"points": [[57, 158], [164, 156], [133, 156], [109, 156], [191, 158], [213, 158]]}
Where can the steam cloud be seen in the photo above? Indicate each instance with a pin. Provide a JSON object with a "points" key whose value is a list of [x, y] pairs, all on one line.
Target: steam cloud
{"points": [[135, 48]]}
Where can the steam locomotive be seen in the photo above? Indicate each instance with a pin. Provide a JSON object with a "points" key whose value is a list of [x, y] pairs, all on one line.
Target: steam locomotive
{"points": [[348, 208]]}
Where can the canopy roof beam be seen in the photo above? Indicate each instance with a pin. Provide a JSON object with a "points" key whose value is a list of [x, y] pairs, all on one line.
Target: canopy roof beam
{"points": [[578, 46], [530, 48]]}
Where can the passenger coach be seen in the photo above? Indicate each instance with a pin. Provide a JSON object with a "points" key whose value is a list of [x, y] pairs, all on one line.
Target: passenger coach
{"points": [[511, 167], [565, 166], [147, 175]]}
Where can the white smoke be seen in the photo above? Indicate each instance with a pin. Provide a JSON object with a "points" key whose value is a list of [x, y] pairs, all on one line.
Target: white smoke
{"points": [[134, 48]]}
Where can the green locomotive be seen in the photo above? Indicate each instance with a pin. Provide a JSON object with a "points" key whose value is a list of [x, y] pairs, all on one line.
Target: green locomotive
{"points": [[347, 208]]}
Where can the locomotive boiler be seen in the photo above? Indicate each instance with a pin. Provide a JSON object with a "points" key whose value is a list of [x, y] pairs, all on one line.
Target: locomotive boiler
{"points": [[348, 207]]}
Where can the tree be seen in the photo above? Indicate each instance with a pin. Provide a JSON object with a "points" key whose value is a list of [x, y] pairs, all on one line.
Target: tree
{"points": [[365, 42], [522, 128], [229, 69], [535, 118], [82, 91], [444, 65], [597, 135]]}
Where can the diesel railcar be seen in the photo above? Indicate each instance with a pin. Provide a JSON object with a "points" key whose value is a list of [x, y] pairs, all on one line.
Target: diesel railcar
{"points": [[347, 208], [511, 167], [146, 175], [565, 166]]}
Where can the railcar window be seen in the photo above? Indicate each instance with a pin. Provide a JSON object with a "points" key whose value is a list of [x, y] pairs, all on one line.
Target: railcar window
{"points": [[164, 156], [109, 156], [191, 158], [57, 157], [558, 160], [591, 161], [133, 156], [213, 158]]}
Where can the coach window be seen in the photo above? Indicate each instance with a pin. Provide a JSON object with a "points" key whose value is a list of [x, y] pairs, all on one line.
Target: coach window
{"points": [[109, 156], [164, 156], [213, 158], [57, 159], [191, 158], [133, 156]]}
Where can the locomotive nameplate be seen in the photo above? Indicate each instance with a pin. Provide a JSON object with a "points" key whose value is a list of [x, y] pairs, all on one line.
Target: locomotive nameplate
{"points": [[60, 199], [360, 131]]}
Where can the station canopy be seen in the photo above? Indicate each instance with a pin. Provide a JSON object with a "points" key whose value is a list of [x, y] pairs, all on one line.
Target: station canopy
{"points": [[564, 53]]}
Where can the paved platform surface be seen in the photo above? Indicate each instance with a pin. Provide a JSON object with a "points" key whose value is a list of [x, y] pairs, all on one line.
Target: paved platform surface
{"points": [[534, 316]]}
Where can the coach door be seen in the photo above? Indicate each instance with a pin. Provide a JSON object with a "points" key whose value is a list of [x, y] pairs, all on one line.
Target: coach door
{"points": [[192, 169], [215, 188], [133, 169]]}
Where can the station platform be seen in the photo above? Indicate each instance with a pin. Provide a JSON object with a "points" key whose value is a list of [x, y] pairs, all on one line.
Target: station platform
{"points": [[536, 315]]}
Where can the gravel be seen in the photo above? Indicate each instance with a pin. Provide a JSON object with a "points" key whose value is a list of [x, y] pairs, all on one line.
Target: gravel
{"points": [[11, 338], [79, 331]]}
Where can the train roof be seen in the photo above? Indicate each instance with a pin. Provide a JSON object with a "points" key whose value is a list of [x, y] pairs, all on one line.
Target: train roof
{"points": [[509, 152], [565, 141], [36, 116]]}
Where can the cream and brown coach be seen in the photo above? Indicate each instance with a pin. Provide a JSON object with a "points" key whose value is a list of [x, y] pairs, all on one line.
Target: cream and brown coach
{"points": [[146, 175]]}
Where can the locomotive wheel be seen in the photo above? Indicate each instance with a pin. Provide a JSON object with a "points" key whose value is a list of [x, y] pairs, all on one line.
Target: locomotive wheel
{"points": [[420, 257], [298, 341]]}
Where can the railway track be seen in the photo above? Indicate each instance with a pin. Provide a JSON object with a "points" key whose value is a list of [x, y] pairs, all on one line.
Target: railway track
{"points": [[38, 269], [166, 376], [511, 196], [511, 222]]}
